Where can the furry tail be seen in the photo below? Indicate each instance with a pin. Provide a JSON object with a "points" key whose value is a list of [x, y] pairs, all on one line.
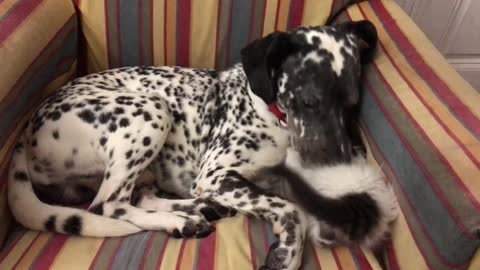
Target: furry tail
{"points": [[34, 214]]}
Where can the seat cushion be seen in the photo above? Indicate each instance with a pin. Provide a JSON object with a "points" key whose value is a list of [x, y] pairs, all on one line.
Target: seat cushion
{"points": [[38, 48], [238, 243]]}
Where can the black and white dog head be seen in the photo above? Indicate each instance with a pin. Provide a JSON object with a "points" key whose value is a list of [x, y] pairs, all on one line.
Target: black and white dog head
{"points": [[314, 75]]}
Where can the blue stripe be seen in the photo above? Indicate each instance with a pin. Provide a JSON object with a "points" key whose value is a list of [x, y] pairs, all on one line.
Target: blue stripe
{"points": [[131, 252], [129, 33], [441, 227], [240, 29]]}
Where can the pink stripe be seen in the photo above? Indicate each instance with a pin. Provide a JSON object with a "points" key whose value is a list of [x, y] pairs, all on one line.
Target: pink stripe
{"points": [[183, 35], [361, 259], [265, 236], [392, 257], [107, 34], [252, 248], [14, 19], [227, 46], [217, 33], [117, 249], [337, 260], [47, 256], [180, 255], [437, 84], [276, 15], [147, 251], [421, 165], [296, 13], [412, 208], [152, 43], [416, 92], [206, 252]]}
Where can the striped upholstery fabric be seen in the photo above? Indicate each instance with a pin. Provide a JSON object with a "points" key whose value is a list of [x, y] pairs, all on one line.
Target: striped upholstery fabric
{"points": [[38, 48], [420, 118]]}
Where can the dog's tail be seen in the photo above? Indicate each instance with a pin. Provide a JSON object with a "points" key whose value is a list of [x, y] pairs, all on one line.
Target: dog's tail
{"points": [[334, 16], [34, 214]]}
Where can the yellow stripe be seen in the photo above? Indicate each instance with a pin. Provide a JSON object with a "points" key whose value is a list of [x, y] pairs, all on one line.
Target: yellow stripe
{"points": [[475, 263], [189, 255], [171, 34], [158, 32], [77, 253], [316, 12], [325, 258], [232, 245], [203, 33], [94, 30], [14, 255], [34, 250], [6, 6], [282, 19], [434, 58], [464, 135], [270, 15], [170, 256], [20, 54]]}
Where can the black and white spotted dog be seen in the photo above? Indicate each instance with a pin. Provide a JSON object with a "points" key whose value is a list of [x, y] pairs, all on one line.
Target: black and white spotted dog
{"points": [[204, 134]]}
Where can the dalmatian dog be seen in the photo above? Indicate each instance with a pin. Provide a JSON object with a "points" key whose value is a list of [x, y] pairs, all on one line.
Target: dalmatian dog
{"points": [[203, 133]]}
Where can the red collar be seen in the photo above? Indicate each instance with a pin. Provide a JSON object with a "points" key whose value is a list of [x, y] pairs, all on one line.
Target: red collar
{"points": [[282, 117]]}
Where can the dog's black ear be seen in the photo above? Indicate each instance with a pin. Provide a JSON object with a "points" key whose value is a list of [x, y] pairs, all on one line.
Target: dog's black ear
{"points": [[367, 36], [261, 61]]}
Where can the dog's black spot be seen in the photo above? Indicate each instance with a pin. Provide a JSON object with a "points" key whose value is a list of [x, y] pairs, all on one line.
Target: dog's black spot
{"points": [[118, 213], [50, 223], [124, 122], [20, 176], [112, 127], [65, 107], [55, 134], [129, 153], [118, 110], [277, 205], [148, 154], [146, 141], [73, 225], [87, 116], [97, 209], [103, 141], [69, 164]]}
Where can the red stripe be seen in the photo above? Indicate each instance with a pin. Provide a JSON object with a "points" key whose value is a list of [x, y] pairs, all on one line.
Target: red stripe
{"points": [[162, 253], [140, 31], [5, 252], [392, 257], [14, 19], [112, 259], [99, 251], [206, 252], [47, 256], [337, 260], [315, 257], [412, 208], [265, 236], [107, 34], [429, 108], [421, 165], [165, 20], [296, 13], [147, 251], [252, 248], [152, 44], [263, 17], [180, 255], [183, 33], [361, 259], [119, 34], [437, 84], [227, 46], [26, 251]]}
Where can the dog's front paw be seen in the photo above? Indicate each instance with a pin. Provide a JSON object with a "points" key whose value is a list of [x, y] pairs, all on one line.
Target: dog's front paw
{"points": [[193, 228], [214, 212]]}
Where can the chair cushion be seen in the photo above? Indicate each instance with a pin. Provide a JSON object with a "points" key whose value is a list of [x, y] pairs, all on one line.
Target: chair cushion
{"points": [[38, 47], [238, 243]]}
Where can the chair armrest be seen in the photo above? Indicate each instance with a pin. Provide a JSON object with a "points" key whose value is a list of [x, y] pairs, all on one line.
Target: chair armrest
{"points": [[422, 125], [38, 48]]}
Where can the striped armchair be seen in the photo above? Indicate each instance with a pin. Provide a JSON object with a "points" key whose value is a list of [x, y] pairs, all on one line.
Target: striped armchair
{"points": [[421, 121]]}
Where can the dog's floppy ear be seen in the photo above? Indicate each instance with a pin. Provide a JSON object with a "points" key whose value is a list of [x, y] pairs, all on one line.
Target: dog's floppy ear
{"points": [[367, 36], [261, 61]]}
